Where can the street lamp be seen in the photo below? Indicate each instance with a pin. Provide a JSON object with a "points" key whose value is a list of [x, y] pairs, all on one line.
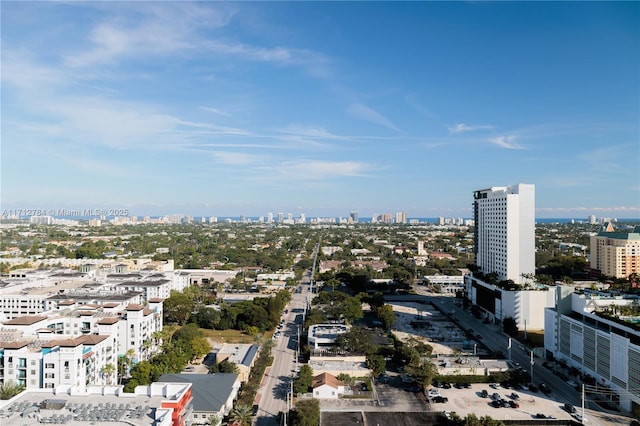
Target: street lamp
{"points": [[532, 366]]}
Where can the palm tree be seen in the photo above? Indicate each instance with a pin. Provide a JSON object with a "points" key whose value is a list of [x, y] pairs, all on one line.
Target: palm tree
{"points": [[146, 345], [108, 371], [9, 389], [241, 415], [125, 362], [215, 420]]}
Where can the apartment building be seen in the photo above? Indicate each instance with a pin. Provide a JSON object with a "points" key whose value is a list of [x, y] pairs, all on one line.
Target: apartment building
{"points": [[504, 239], [607, 347], [504, 235], [68, 363], [73, 347], [615, 253]]}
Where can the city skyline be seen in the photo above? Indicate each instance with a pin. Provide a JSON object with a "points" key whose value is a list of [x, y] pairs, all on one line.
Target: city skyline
{"points": [[246, 108]]}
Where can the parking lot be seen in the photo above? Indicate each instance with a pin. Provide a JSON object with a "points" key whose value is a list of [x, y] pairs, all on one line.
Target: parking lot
{"points": [[466, 401], [391, 396]]}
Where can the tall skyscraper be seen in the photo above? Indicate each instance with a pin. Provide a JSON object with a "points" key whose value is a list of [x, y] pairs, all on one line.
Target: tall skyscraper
{"points": [[505, 231], [401, 217], [354, 216]]}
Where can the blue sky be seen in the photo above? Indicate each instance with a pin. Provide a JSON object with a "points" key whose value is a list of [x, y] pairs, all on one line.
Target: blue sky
{"points": [[321, 108]]}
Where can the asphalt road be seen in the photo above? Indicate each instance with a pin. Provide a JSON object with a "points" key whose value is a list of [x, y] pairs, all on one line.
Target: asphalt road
{"points": [[276, 384]]}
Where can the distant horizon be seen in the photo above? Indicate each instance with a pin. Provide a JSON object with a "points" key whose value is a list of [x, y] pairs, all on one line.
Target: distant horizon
{"points": [[362, 219]]}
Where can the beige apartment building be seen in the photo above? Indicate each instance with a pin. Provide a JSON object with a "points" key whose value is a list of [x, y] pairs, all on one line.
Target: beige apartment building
{"points": [[615, 253]]}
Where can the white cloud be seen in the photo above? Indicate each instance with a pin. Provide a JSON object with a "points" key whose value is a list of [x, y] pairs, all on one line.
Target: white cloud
{"points": [[215, 111], [319, 170], [461, 127], [505, 141], [366, 113], [234, 158]]}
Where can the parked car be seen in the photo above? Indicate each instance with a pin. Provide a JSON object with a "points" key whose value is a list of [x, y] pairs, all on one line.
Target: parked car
{"points": [[434, 392], [544, 389], [495, 403], [540, 416], [495, 396], [514, 404], [515, 396], [440, 399], [494, 385], [484, 393], [569, 408], [446, 386], [466, 385]]}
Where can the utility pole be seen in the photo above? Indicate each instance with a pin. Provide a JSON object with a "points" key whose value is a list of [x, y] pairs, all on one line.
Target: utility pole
{"points": [[582, 397], [532, 367]]}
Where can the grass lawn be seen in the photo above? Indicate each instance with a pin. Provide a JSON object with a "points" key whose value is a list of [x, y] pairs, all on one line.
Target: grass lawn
{"points": [[228, 336]]}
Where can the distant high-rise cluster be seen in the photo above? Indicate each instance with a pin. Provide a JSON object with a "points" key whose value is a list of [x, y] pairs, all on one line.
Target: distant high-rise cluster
{"points": [[354, 217]]}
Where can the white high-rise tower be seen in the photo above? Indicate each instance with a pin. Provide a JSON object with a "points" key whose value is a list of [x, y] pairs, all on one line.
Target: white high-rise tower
{"points": [[505, 231]]}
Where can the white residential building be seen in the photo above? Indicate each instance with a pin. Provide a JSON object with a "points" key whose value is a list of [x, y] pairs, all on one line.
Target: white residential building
{"points": [[504, 239], [505, 231], [72, 347], [73, 363]]}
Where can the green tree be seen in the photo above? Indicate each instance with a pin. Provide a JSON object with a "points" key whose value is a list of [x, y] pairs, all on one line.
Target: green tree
{"points": [[141, 373], [177, 308], [252, 330], [125, 362], [303, 382], [108, 371], [509, 326], [241, 415], [307, 413], [376, 364], [386, 315], [9, 389], [214, 420], [357, 340], [200, 347], [225, 366], [422, 374]]}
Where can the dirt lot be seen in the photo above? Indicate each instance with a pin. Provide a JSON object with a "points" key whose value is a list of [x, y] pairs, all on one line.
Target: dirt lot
{"points": [[406, 312]]}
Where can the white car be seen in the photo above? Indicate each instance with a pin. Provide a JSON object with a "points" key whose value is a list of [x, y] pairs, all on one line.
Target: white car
{"points": [[579, 418], [434, 392]]}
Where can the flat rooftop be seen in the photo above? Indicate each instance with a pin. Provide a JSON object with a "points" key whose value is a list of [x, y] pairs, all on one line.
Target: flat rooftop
{"points": [[127, 410]]}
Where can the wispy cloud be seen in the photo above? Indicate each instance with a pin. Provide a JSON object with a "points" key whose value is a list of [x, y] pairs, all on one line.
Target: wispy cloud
{"points": [[414, 103], [366, 113], [183, 29], [506, 141], [461, 128], [320, 170], [234, 158], [215, 111], [156, 29]]}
